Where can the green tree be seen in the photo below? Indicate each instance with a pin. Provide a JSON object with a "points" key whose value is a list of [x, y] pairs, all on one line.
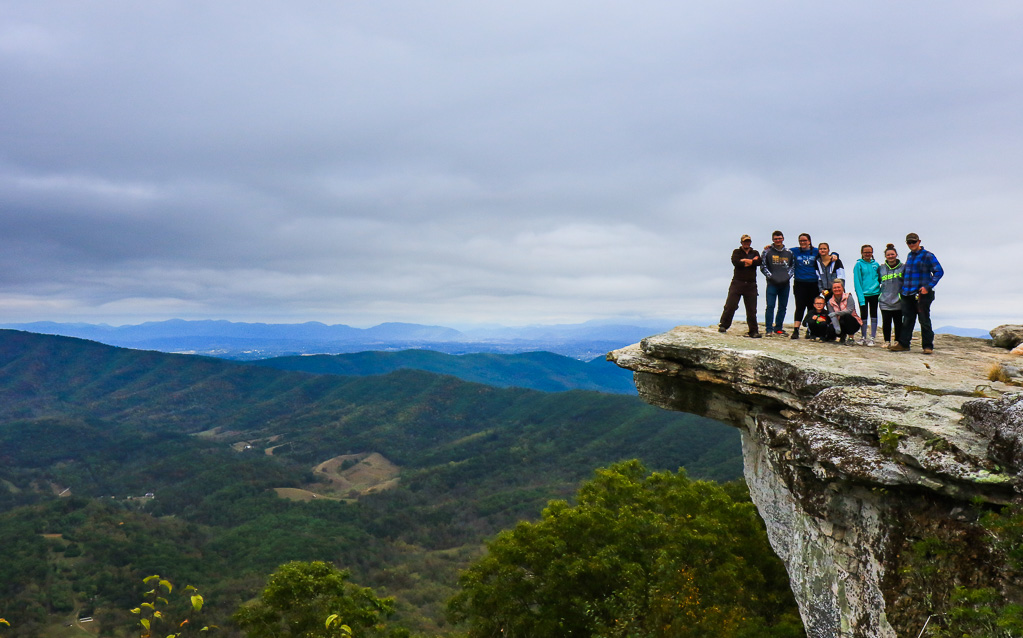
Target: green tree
{"points": [[639, 555], [299, 598]]}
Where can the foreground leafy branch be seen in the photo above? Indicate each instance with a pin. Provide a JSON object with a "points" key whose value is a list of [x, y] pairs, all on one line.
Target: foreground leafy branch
{"points": [[153, 610]]}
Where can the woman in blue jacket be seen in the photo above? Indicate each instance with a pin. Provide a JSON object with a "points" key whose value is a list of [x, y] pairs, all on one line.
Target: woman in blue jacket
{"points": [[868, 289], [804, 280]]}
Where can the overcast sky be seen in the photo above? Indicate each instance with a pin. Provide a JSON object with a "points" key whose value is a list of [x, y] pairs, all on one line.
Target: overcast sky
{"points": [[520, 162]]}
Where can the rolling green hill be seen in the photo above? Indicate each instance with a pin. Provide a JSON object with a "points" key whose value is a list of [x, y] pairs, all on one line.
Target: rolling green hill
{"points": [[211, 439], [536, 370]]}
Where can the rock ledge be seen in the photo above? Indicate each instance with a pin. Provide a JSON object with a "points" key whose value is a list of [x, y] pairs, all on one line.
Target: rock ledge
{"points": [[845, 449]]}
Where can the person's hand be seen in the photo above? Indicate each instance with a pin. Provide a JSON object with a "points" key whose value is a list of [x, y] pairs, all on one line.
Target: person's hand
{"points": [[748, 262], [923, 290]]}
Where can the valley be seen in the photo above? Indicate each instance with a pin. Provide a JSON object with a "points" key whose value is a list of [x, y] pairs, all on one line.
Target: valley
{"points": [[399, 477]]}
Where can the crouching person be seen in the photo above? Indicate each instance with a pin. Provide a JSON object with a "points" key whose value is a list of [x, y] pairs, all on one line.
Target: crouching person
{"points": [[818, 322], [843, 313]]}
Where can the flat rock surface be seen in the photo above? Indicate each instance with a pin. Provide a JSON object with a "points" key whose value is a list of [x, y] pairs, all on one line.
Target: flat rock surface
{"points": [[959, 365], [842, 405]]}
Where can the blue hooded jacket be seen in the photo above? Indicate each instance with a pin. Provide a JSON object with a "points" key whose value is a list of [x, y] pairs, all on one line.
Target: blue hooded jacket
{"points": [[805, 262], [866, 278]]}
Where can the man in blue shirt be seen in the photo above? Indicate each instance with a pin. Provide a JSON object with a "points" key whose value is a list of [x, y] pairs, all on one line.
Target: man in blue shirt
{"points": [[919, 277]]}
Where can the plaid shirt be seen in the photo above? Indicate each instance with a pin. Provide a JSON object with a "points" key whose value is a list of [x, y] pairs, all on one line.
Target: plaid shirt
{"points": [[922, 270]]}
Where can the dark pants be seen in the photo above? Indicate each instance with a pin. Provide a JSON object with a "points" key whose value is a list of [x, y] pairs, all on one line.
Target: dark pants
{"points": [[804, 292], [822, 330], [917, 306], [847, 325], [776, 293], [747, 290], [871, 306], [891, 318]]}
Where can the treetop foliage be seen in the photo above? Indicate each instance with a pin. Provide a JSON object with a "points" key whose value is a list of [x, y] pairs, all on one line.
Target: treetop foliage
{"points": [[299, 597], [639, 555]]}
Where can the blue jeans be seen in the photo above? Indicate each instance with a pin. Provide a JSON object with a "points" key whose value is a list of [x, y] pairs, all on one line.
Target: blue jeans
{"points": [[776, 293], [913, 308]]}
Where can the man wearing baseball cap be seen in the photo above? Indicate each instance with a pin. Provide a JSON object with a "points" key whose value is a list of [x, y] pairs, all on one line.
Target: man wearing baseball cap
{"points": [[744, 285], [920, 276]]}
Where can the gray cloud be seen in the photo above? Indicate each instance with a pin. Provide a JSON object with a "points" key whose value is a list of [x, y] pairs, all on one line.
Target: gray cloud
{"points": [[360, 162]]}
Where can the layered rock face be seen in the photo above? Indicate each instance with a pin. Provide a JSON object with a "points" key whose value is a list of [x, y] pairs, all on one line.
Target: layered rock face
{"points": [[853, 455]]}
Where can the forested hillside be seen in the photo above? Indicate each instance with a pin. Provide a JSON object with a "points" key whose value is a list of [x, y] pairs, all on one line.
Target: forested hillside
{"points": [[536, 370], [398, 477]]}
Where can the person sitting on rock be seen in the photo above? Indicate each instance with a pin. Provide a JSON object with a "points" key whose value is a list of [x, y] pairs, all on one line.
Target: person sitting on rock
{"points": [[843, 312], [818, 322]]}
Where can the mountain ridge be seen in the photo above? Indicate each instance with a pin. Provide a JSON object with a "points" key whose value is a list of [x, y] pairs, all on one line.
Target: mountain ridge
{"points": [[545, 371], [238, 340]]}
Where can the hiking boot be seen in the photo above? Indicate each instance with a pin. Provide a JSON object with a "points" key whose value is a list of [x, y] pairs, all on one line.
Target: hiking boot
{"points": [[720, 329], [755, 335], [898, 347], [928, 350], [795, 333]]}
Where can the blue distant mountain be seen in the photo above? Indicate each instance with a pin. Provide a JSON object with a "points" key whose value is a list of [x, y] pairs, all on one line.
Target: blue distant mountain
{"points": [[544, 371], [248, 341], [177, 328], [979, 333]]}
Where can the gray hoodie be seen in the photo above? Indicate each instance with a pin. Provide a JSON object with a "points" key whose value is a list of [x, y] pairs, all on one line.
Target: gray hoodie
{"points": [[777, 265], [891, 283]]}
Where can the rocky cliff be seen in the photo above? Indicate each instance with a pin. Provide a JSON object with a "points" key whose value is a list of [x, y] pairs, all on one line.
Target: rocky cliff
{"points": [[871, 469]]}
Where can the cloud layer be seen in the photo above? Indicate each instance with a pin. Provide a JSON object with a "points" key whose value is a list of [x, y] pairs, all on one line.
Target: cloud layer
{"points": [[361, 162]]}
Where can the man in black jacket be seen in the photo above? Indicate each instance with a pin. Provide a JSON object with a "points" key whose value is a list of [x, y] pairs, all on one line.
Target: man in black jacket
{"points": [[744, 286]]}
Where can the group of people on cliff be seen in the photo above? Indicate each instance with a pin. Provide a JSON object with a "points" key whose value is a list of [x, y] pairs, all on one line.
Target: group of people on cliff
{"points": [[825, 308]]}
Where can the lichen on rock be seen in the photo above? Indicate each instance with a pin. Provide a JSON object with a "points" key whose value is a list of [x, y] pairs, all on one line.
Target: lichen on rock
{"points": [[854, 456]]}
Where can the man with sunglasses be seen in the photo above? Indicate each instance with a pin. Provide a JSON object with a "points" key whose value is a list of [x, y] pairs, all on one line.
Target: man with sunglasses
{"points": [[921, 274]]}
